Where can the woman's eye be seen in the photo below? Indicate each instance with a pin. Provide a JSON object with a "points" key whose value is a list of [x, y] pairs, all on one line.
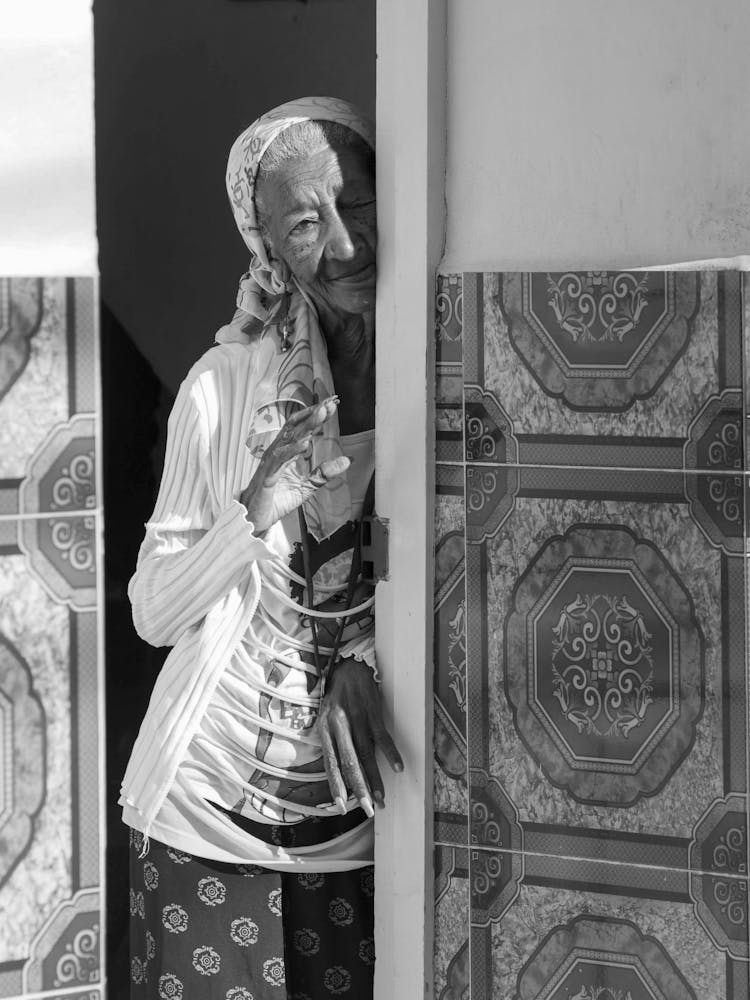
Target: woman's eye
{"points": [[304, 226]]}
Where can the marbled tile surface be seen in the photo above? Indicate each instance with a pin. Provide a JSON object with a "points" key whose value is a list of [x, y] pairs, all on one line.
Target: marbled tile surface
{"points": [[48, 381], [571, 397], [605, 630], [451, 798], [598, 932], [746, 342], [51, 760], [37, 398], [451, 939], [38, 630], [694, 599]]}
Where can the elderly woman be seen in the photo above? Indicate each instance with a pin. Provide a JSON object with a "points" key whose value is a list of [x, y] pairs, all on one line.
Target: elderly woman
{"points": [[251, 785]]}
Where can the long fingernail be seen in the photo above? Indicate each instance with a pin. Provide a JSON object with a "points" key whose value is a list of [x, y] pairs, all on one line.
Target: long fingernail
{"points": [[367, 805], [398, 768], [379, 799], [341, 805]]}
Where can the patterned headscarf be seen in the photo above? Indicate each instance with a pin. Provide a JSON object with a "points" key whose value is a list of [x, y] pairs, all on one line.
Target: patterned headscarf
{"points": [[292, 355], [242, 175]]}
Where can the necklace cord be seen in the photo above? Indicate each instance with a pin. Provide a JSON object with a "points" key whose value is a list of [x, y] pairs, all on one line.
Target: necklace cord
{"points": [[355, 570]]}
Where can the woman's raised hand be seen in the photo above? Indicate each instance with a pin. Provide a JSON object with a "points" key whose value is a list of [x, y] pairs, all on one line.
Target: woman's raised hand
{"points": [[276, 489]]}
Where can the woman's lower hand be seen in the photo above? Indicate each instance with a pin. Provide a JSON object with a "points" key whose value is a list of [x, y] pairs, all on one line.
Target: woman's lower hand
{"points": [[351, 729], [275, 489]]}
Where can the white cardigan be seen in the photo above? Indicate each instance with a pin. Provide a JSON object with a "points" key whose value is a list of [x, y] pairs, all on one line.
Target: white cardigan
{"points": [[197, 586]]}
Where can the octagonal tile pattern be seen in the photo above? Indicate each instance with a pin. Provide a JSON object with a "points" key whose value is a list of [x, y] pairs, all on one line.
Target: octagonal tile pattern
{"points": [[572, 930], [591, 485], [51, 761], [605, 647], [48, 385], [599, 340], [719, 884], [604, 664], [24, 754], [587, 388]]}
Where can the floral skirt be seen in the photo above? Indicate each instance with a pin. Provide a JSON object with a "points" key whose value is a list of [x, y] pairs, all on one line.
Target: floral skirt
{"points": [[205, 930]]}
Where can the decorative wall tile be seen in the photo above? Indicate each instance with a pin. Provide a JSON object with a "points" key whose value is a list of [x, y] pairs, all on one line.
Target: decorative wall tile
{"points": [[48, 392], [606, 660], [451, 800], [449, 380], [745, 278], [451, 939], [602, 482], [595, 931], [62, 554], [51, 768], [49, 832], [607, 369]]}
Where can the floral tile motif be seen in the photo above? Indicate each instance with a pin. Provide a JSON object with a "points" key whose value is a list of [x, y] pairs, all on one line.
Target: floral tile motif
{"points": [[62, 553], [51, 772], [451, 938], [597, 458], [604, 369], [745, 278], [449, 369], [48, 373], [573, 930], [451, 800], [606, 651]]}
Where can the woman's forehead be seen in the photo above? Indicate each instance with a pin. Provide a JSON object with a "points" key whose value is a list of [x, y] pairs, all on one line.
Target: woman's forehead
{"points": [[324, 173]]}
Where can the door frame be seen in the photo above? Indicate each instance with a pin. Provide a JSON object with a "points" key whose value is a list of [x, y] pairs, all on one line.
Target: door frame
{"points": [[411, 140]]}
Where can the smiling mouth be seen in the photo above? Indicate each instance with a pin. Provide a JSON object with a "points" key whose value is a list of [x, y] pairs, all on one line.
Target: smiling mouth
{"points": [[364, 274]]}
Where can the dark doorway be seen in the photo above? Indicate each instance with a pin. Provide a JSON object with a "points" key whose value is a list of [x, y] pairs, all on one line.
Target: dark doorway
{"points": [[175, 83]]}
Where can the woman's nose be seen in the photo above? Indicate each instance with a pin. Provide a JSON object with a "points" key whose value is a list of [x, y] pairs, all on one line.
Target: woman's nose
{"points": [[339, 241]]}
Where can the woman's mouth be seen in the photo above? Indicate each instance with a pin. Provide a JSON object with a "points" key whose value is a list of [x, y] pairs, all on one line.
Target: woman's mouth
{"points": [[363, 276]]}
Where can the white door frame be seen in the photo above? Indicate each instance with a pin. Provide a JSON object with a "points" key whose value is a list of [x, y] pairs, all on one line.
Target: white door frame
{"points": [[411, 90]]}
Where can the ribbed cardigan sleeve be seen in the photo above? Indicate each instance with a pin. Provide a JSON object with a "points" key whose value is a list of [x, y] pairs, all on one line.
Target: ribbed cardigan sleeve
{"points": [[189, 559]]}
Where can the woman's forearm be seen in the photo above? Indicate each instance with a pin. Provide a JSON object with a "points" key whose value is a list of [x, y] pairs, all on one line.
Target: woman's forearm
{"points": [[182, 575]]}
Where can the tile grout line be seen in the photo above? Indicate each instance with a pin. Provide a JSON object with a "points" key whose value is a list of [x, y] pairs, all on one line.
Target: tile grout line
{"points": [[48, 515], [541, 467], [68, 991], [101, 689], [612, 862], [468, 636], [745, 340]]}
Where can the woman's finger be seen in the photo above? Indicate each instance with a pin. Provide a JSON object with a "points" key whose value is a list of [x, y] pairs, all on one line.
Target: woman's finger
{"points": [[284, 455], [329, 470], [331, 764], [365, 748], [384, 742], [350, 764], [378, 736], [311, 416]]}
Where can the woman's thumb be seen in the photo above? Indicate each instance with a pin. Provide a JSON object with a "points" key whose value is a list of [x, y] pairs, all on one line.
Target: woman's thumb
{"points": [[329, 469]]}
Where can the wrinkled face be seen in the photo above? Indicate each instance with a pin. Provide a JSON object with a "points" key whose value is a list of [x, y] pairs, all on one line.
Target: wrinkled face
{"points": [[319, 215]]}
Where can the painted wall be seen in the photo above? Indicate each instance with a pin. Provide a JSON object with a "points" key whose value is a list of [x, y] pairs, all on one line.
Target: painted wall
{"points": [[51, 586], [175, 84], [590, 134], [47, 138]]}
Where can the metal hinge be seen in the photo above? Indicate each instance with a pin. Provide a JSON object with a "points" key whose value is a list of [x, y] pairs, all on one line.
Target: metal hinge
{"points": [[375, 534]]}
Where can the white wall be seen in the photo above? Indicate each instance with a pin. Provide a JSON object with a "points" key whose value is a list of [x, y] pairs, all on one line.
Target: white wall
{"points": [[46, 138], [589, 133]]}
